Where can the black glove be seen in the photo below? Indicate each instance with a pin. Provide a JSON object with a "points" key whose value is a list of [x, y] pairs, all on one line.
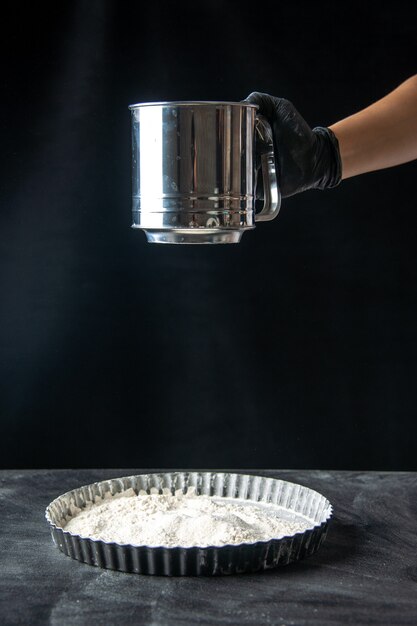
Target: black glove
{"points": [[306, 158]]}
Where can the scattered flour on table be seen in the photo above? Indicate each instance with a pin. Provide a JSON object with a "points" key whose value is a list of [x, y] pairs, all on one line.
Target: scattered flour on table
{"points": [[181, 520]]}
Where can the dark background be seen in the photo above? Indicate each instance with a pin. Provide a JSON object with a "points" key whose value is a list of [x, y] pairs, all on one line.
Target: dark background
{"points": [[296, 348]]}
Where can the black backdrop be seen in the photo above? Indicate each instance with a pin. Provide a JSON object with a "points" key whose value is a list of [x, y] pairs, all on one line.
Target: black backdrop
{"points": [[294, 349]]}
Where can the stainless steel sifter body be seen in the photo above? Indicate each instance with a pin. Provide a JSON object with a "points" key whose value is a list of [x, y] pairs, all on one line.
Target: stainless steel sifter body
{"points": [[194, 170]]}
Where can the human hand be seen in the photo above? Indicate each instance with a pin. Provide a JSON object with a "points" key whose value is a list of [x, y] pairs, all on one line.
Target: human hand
{"points": [[305, 158]]}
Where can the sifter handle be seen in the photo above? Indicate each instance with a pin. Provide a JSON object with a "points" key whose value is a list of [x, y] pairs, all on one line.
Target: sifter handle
{"points": [[265, 148]]}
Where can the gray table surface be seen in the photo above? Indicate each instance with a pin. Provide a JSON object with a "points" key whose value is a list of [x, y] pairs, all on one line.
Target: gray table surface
{"points": [[364, 573]]}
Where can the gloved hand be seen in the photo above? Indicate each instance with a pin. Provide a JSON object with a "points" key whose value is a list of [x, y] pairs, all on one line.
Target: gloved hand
{"points": [[306, 158]]}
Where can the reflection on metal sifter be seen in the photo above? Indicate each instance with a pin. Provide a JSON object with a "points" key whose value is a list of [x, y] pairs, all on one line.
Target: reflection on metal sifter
{"points": [[195, 167]]}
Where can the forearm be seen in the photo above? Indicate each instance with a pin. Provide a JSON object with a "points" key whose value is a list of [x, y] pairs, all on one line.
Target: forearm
{"points": [[382, 135]]}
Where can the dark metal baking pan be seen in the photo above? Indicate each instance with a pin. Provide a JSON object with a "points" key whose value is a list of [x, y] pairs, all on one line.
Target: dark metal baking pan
{"points": [[195, 561]]}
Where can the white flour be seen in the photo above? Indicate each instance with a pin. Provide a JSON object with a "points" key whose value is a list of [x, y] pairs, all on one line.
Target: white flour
{"points": [[182, 520]]}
